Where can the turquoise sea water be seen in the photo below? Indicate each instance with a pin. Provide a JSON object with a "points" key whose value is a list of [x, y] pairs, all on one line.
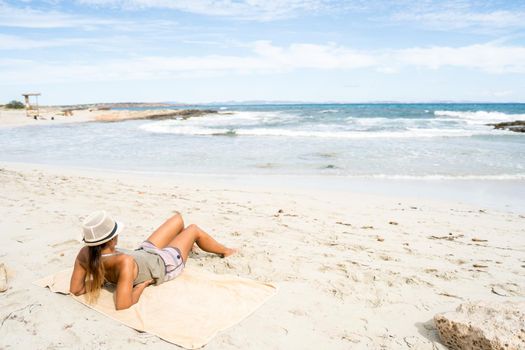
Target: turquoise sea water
{"points": [[427, 141]]}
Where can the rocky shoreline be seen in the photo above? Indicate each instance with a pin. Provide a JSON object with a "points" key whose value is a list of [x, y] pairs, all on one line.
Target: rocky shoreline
{"points": [[123, 105], [117, 116], [516, 126]]}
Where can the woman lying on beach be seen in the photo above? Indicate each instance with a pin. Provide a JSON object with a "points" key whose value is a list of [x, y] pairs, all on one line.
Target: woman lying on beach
{"points": [[160, 258]]}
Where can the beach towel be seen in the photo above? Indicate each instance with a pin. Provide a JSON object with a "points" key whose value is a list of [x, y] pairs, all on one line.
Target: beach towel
{"points": [[187, 311]]}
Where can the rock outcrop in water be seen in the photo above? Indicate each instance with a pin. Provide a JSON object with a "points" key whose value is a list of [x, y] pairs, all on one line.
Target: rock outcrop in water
{"points": [[483, 326], [517, 126], [117, 116]]}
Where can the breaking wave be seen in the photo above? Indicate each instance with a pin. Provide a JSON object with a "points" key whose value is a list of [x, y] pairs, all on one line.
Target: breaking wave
{"points": [[176, 127], [480, 117]]}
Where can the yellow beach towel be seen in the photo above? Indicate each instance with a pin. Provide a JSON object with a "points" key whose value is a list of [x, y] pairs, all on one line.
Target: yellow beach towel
{"points": [[188, 311]]}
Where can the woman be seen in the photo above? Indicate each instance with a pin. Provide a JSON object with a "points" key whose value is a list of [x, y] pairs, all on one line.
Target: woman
{"points": [[158, 259]]}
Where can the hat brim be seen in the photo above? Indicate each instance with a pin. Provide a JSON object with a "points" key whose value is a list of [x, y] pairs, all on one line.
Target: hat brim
{"points": [[120, 227]]}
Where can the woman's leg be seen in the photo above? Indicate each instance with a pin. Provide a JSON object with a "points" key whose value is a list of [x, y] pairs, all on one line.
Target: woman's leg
{"points": [[194, 234], [167, 231]]}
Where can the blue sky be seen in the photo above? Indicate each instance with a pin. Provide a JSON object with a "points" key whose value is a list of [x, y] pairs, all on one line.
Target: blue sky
{"points": [[84, 51]]}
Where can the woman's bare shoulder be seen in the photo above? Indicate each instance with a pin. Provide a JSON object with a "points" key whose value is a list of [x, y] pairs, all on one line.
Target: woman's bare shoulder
{"points": [[83, 255], [125, 261], [121, 267]]}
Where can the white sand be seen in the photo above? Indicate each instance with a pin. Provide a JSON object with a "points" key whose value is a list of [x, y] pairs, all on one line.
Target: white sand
{"points": [[354, 271], [17, 117]]}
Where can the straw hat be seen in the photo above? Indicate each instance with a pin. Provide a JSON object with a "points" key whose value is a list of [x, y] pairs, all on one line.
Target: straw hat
{"points": [[99, 227]]}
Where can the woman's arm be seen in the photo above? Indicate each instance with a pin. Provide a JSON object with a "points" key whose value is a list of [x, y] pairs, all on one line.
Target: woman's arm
{"points": [[138, 289], [77, 284], [125, 294]]}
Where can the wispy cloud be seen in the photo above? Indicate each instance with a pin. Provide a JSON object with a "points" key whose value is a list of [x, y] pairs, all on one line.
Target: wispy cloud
{"points": [[117, 44], [443, 15], [263, 10], [485, 57], [449, 20], [26, 17], [268, 58], [460, 14], [264, 58], [13, 42]]}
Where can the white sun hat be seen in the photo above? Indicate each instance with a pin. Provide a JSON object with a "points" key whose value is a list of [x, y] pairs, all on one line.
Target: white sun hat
{"points": [[99, 227]]}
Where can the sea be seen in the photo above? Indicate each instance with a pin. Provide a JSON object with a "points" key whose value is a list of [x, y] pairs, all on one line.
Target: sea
{"points": [[437, 151], [385, 141]]}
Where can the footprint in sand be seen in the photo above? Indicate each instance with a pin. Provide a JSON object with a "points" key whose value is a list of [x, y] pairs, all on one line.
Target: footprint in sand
{"points": [[68, 243], [23, 239], [297, 312], [507, 289], [3, 278]]}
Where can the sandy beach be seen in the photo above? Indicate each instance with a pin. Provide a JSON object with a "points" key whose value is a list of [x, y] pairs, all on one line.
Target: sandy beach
{"points": [[17, 117], [55, 115], [353, 270]]}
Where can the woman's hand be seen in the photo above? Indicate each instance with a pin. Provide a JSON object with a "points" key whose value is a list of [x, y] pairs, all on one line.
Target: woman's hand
{"points": [[144, 284], [138, 289]]}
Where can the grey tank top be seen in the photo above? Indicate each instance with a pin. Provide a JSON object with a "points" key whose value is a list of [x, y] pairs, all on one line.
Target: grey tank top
{"points": [[150, 265]]}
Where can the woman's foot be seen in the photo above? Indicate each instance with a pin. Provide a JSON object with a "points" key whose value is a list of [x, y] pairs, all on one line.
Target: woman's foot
{"points": [[229, 251]]}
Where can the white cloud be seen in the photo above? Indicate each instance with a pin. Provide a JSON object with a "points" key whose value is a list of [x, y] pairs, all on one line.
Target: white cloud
{"points": [[243, 9], [299, 56], [264, 58], [14, 42], [267, 58], [503, 93], [387, 70], [30, 18], [453, 20], [485, 57], [461, 14]]}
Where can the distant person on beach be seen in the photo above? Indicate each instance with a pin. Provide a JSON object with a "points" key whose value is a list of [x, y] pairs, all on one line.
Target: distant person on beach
{"points": [[158, 259]]}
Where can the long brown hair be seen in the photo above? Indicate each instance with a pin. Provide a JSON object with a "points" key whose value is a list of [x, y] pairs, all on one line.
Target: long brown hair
{"points": [[95, 275]]}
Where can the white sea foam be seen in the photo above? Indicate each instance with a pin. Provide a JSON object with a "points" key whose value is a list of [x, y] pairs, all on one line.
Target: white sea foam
{"points": [[244, 118], [165, 127], [496, 177], [329, 111], [380, 123], [219, 122], [374, 121], [286, 124], [480, 117]]}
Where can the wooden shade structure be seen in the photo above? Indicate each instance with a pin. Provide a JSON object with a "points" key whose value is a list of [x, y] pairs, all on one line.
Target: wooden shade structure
{"points": [[31, 109]]}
